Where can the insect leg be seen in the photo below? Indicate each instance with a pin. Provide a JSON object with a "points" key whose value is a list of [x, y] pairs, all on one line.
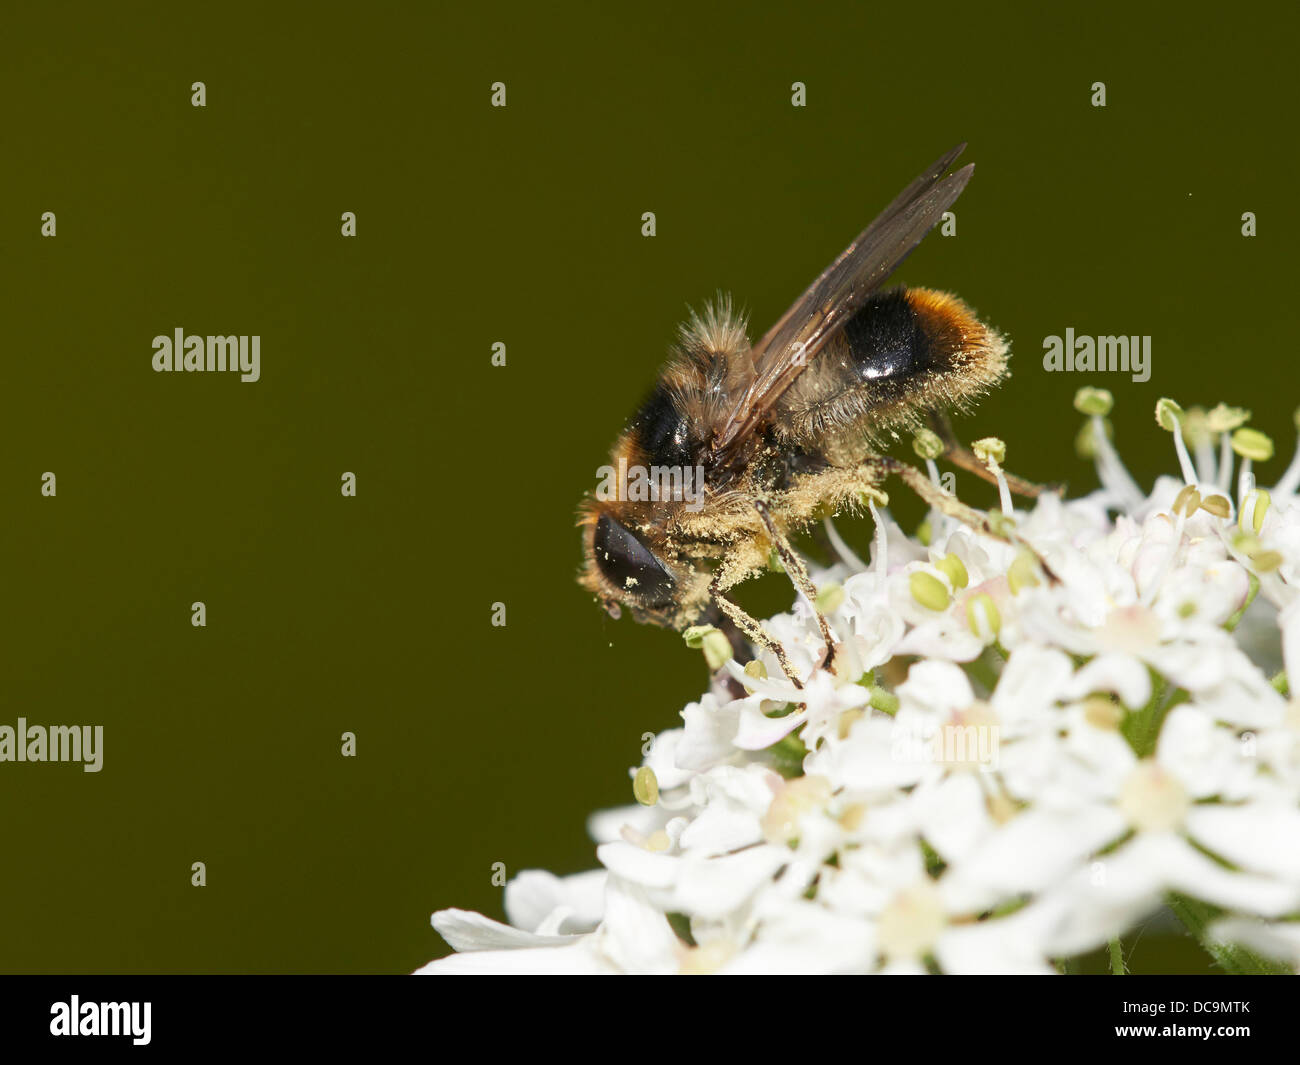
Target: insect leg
{"points": [[931, 493], [739, 648], [965, 459], [751, 628], [799, 576]]}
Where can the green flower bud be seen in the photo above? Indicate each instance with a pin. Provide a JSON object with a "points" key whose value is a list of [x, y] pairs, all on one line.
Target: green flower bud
{"points": [[1168, 414], [952, 568], [1262, 502], [1023, 572], [1093, 401], [712, 641], [885, 702], [1224, 419], [717, 649], [645, 786], [1252, 444], [990, 450], [929, 591], [694, 636], [927, 444]]}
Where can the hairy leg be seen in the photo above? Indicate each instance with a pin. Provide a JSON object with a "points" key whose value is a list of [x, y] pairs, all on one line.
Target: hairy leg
{"points": [[799, 576], [877, 467], [880, 466], [751, 627]]}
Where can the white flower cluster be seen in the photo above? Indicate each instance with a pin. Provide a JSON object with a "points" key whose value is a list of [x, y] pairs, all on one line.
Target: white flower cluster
{"points": [[1022, 749]]}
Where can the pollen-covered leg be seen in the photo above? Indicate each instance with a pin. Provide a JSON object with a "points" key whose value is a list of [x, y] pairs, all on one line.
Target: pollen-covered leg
{"points": [[751, 628], [799, 576], [876, 468], [932, 494]]}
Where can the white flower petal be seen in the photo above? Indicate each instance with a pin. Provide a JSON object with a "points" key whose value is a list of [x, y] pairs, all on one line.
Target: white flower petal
{"points": [[940, 687], [1030, 853], [709, 735], [1033, 678], [465, 930], [638, 865], [1003, 946], [711, 887], [576, 959], [606, 826], [756, 731], [533, 895], [1278, 940], [1171, 862], [663, 760], [1126, 676], [635, 935], [952, 815], [1255, 836], [802, 938]]}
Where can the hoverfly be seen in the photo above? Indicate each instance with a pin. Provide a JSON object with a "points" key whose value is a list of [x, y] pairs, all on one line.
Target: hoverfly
{"points": [[787, 429]]}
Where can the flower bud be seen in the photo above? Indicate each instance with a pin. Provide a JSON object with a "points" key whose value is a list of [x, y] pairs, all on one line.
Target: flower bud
{"points": [[1093, 401], [929, 591], [1168, 414], [1252, 444], [645, 786], [954, 569], [927, 444]]}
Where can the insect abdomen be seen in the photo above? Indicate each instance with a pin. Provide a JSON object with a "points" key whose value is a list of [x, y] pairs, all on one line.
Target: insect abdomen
{"points": [[885, 339], [901, 353]]}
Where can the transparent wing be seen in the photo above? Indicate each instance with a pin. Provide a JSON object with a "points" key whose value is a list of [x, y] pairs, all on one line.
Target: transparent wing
{"points": [[830, 301]]}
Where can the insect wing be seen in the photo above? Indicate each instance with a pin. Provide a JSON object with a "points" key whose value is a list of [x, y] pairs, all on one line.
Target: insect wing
{"points": [[830, 301]]}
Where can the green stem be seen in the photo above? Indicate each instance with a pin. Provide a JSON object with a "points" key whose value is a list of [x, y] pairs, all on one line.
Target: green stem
{"points": [[1142, 728], [1117, 958], [982, 671]]}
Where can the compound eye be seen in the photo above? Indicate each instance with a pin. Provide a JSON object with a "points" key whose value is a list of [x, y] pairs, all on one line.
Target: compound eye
{"points": [[629, 565]]}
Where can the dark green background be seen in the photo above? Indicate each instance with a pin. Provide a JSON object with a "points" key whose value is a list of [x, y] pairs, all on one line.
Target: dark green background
{"points": [[480, 745]]}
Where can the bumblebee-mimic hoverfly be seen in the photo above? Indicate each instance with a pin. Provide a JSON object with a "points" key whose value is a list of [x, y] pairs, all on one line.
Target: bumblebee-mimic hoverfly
{"points": [[787, 429]]}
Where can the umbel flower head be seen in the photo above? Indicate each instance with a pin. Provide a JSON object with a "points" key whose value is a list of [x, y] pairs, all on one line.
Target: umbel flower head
{"points": [[1023, 748]]}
